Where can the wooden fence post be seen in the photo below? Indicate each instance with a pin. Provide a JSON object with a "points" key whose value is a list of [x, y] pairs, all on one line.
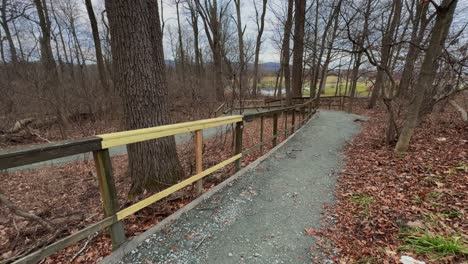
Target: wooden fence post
{"points": [[261, 135], [109, 194], [285, 124], [238, 146], [303, 115], [293, 122], [199, 159], [310, 110], [275, 129]]}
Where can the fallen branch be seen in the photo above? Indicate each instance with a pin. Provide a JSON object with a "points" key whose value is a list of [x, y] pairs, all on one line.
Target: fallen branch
{"points": [[90, 238], [20, 212], [19, 125]]}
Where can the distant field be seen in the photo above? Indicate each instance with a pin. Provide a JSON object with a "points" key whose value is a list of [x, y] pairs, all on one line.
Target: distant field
{"points": [[330, 87]]}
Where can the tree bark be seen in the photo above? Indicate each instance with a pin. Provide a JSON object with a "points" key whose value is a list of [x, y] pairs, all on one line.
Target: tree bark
{"points": [[242, 62], [359, 52], [286, 52], [315, 61], [258, 43], [298, 50], [139, 77], [429, 68]]}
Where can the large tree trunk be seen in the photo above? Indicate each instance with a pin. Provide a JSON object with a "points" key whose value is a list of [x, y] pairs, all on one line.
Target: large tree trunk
{"points": [[139, 69], [258, 43], [97, 46], [428, 70], [286, 52], [298, 50]]}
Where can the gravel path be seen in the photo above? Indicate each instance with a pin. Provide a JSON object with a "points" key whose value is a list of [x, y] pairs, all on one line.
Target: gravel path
{"points": [[261, 217]]}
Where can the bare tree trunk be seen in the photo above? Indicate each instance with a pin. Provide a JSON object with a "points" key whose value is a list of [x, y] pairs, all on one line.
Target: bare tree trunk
{"points": [[258, 43], [387, 43], [97, 46], [2, 52], [419, 27], [48, 62], [198, 64], [196, 47], [6, 29], [333, 20], [242, 62], [298, 50], [212, 21], [315, 60], [359, 53], [62, 41], [354, 79], [139, 69], [286, 51], [429, 68], [18, 39]]}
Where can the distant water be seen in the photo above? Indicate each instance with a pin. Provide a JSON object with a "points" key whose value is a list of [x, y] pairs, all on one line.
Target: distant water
{"points": [[270, 91]]}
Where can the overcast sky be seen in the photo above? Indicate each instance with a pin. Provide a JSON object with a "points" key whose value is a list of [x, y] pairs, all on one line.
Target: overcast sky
{"points": [[269, 53]]}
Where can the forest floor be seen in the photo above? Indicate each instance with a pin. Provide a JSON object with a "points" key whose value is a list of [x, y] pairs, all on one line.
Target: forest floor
{"points": [[262, 215], [390, 205]]}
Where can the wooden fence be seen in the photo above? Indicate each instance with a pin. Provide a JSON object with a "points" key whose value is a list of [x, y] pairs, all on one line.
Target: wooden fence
{"points": [[99, 146]]}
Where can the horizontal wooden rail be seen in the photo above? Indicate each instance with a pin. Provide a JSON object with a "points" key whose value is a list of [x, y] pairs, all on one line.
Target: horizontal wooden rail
{"points": [[100, 145], [19, 157], [160, 195], [138, 135], [67, 241]]}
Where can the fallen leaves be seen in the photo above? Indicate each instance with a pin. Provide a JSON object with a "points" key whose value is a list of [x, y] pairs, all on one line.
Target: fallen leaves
{"points": [[380, 193]]}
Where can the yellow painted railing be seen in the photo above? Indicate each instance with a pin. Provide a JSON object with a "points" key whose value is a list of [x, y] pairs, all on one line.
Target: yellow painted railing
{"points": [[100, 145], [138, 135]]}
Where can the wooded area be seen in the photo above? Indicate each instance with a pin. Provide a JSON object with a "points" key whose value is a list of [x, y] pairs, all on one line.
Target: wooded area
{"points": [[72, 70]]}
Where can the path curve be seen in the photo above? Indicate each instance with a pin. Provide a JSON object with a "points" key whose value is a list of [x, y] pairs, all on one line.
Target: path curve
{"points": [[261, 217]]}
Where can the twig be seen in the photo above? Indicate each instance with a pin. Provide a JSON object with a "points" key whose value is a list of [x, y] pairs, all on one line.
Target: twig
{"points": [[40, 137], [201, 242], [90, 238], [32, 248], [20, 212]]}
